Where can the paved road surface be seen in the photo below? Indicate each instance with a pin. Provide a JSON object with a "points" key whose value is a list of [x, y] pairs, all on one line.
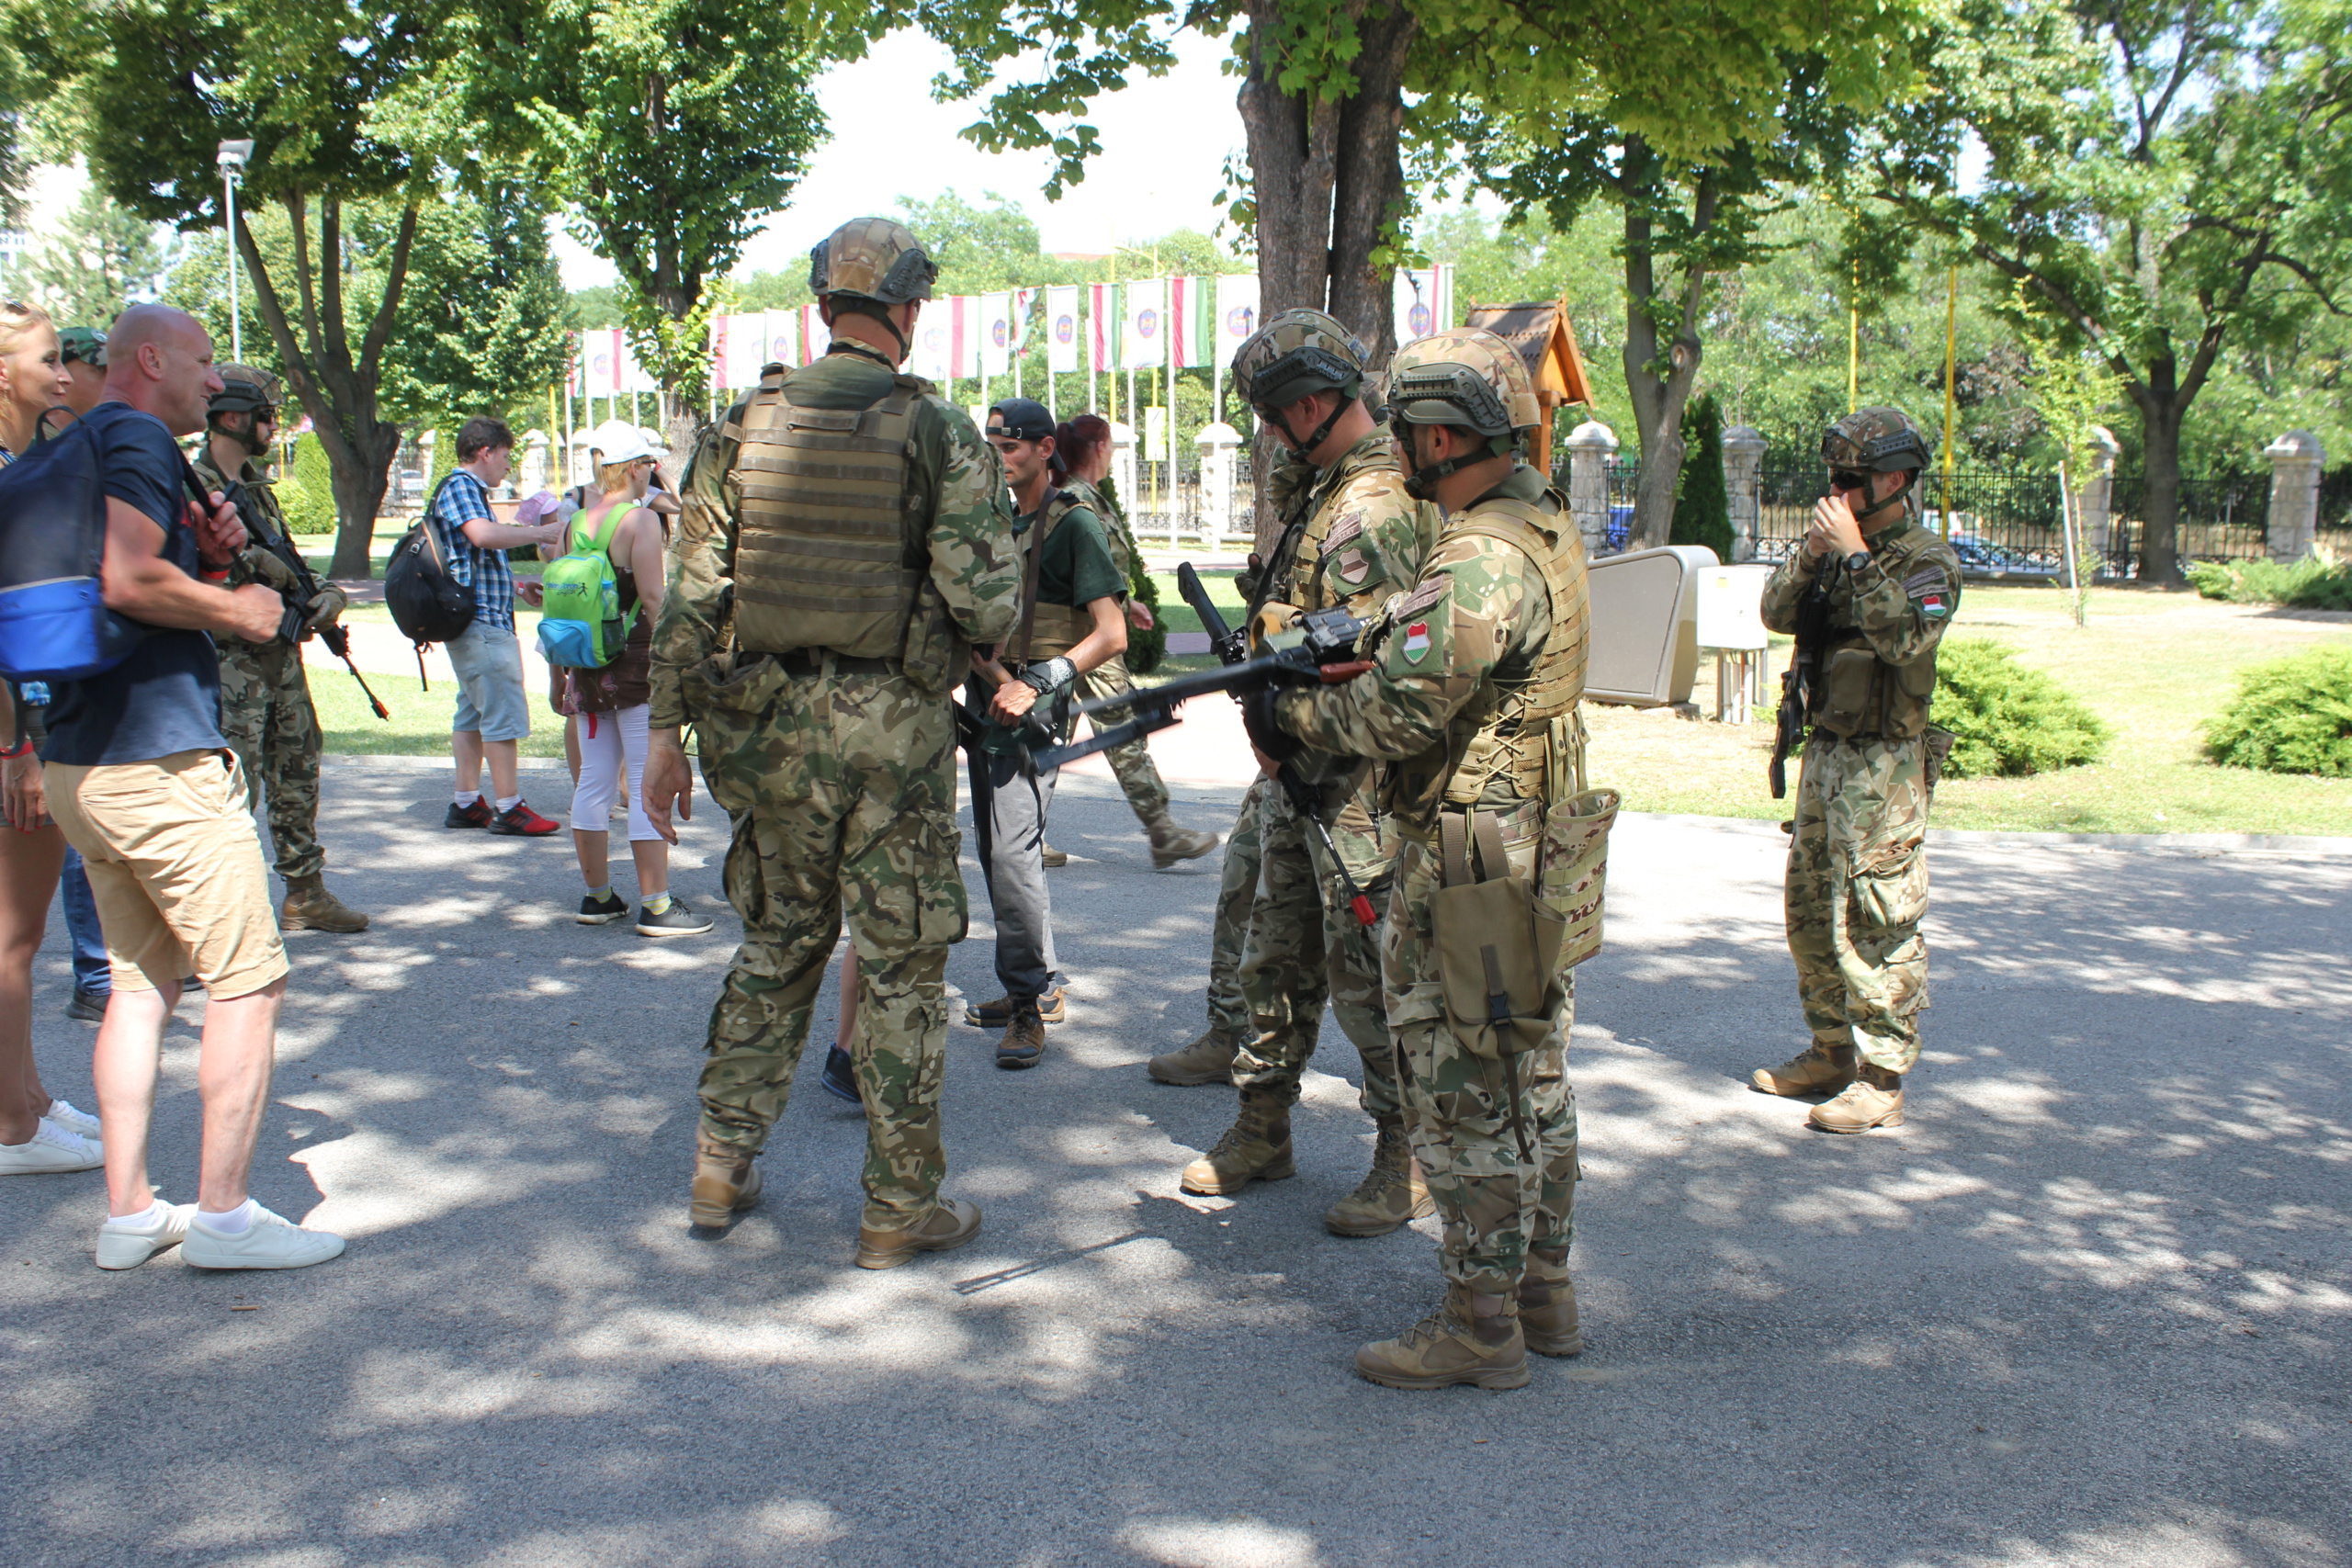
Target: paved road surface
{"points": [[2090, 1307]]}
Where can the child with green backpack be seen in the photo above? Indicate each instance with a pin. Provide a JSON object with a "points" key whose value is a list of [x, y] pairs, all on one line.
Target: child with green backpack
{"points": [[597, 629]]}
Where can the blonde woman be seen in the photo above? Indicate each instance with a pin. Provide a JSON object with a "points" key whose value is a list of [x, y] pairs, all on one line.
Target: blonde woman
{"points": [[611, 703], [38, 1133]]}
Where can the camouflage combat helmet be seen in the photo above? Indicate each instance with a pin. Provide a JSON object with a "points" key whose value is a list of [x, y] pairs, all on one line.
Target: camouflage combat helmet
{"points": [[1466, 376], [1876, 440], [871, 258], [1296, 355], [85, 344], [245, 389]]}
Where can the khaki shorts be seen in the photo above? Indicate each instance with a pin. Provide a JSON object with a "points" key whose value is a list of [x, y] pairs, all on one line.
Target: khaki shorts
{"points": [[176, 871]]}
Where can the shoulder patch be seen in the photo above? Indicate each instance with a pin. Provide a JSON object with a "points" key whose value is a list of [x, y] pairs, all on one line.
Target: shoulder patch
{"points": [[1346, 528], [1929, 576], [1430, 591]]}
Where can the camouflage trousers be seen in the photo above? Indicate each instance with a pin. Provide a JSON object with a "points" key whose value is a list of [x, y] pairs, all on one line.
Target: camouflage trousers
{"points": [[843, 792], [266, 717], [1131, 762], [1305, 945], [1228, 1009], [1465, 1120], [1856, 892]]}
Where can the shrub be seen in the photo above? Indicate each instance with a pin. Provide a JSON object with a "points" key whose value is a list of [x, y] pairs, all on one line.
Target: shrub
{"points": [[2307, 584], [2291, 716], [305, 491], [1702, 506], [2008, 720]]}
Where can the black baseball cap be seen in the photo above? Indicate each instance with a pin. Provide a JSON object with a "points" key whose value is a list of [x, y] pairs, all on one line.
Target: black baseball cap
{"points": [[1020, 419]]}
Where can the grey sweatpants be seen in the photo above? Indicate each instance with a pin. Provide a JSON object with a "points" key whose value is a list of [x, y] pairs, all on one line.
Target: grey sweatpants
{"points": [[1010, 799]]}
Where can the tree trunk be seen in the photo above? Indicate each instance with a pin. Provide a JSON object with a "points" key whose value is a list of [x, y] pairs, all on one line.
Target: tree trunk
{"points": [[1659, 400], [1368, 193], [2161, 408]]}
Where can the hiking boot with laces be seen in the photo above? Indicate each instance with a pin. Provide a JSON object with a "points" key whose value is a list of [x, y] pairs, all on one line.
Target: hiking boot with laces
{"points": [[1255, 1149], [1023, 1045], [1874, 1100], [1450, 1346], [1052, 1007], [951, 1224], [1547, 1304], [1389, 1196], [308, 906], [1823, 1069], [1172, 844], [727, 1182], [1208, 1059]]}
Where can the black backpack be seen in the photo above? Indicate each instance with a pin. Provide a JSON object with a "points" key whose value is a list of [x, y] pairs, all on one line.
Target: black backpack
{"points": [[55, 624], [426, 603]]}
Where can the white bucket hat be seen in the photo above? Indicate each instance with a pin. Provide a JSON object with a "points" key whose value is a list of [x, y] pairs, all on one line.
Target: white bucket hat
{"points": [[618, 440]]}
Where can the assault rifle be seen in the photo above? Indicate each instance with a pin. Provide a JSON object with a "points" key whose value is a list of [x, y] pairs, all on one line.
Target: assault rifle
{"points": [[1802, 677], [293, 627]]}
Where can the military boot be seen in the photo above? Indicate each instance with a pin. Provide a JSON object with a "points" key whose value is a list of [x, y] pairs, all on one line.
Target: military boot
{"points": [[1055, 859], [1874, 1100], [308, 906], [727, 1182], [1255, 1149], [951, 1224], [1823, 1069], [1208, 1059], [1390, 1195], [1453, 1344], [1547, 1304], [1171, 843]]}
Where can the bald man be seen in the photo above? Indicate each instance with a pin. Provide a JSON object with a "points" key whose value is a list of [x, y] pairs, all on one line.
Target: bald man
{"points": [[143, 785]]}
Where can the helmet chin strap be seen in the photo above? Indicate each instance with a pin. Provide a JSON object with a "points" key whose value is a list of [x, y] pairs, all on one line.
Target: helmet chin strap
{"points": [[1304, 451], [1421, 483], [1910, 480]]}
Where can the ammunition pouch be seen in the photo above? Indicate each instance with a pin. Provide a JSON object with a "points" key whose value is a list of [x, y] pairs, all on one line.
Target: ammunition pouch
{"points": [[1498, 945], [1572, 870], [1860, 695]]}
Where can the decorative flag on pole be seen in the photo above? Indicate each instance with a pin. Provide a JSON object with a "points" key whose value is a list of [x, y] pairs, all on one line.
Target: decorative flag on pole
{"points": [[1236, 313], [783, 340], [1185, 312], [741, 346], [1023, 301], [928, 355], [815, 336], [1061, 330], [1101, 310], [1424, 300], [600, 352], [962, 337], [996, 333], [633, 376], [1144, 344]]}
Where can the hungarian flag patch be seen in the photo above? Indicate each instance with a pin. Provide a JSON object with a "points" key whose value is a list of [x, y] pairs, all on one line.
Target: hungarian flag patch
{"points": [[1933, 603], [1417, 641]]}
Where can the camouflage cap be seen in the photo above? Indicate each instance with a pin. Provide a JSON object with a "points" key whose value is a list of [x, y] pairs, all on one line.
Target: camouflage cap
{"points": [[1464, 376], [873, 258], [85, 344], [1297, 354], [1881, 440], [244, 388]]}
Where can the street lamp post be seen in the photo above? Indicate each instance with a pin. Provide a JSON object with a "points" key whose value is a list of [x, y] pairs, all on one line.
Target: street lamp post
{"points": [[233, 158]]}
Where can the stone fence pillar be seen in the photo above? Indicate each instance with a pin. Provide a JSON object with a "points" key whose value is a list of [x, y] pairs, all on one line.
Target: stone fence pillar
{"points": [[2094, 502], [1744, 483], [1591, 446], [534, 472], [2296, 459]]}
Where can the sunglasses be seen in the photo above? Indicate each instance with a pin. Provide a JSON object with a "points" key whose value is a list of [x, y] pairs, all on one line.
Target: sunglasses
{"points": [[1846, 479]]}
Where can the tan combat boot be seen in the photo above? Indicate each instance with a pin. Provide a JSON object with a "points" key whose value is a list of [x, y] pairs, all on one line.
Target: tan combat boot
{"points": [[1171, 843], [1547, 1304], [951, 1224], [1390, 1195], [1055, 859], [1450, 1346], [1208, 1059], [1874, 1100], [1825, 1070], [308, 906], [727, 1182], [1255, 1149]]}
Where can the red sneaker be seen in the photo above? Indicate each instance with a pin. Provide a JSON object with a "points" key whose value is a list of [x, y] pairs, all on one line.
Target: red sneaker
{"points": [[521, 822], [478, 814]]}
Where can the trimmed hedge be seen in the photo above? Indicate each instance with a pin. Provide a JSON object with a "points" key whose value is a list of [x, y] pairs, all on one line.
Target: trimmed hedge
{"points": [[306, 490], [2307, 584], [2009, 721], [2291, 716]]}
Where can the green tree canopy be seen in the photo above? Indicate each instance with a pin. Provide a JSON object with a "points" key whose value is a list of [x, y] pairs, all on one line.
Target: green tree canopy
{"points": [[99, 260]]}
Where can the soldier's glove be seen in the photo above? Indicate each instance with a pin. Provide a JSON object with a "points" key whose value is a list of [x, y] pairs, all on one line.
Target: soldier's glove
{"points": [[1265, 734], [326, 606], [1049, 676], [266, 567]]}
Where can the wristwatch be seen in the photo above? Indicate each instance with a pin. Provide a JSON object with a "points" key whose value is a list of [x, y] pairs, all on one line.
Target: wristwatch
{"points": [[1858, 561]]}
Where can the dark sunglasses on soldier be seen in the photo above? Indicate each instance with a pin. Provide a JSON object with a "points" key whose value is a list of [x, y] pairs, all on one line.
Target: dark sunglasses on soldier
{"points": [[1846, 479]]}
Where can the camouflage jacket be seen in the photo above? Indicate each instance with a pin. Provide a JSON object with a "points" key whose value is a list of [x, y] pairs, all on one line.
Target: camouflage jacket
{"points": [[975, 565], [255, 562], [1357, 538], [1479, 616], [1899, 603]]}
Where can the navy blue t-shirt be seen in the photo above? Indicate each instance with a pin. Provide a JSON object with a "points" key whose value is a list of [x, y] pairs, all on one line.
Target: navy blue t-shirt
{"points": [[166, 696]]}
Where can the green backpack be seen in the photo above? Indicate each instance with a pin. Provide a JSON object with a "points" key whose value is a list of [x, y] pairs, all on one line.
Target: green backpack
{"points": [[580, 623]]}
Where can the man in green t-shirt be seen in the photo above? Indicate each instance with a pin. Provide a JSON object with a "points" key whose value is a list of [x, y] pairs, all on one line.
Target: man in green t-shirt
{"points": [[1070, 622]]}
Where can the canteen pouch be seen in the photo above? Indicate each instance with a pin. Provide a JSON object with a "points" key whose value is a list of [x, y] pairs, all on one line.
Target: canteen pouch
{"points": [[1497, 946], [1849, 680], [1572, 871]]}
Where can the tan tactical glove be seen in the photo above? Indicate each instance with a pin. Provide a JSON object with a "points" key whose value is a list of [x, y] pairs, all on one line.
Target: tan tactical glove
{"points": [[326, 606]]}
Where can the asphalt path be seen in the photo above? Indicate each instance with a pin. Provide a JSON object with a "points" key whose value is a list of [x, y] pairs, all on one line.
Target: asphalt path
{"points": [[2089, 1307]]}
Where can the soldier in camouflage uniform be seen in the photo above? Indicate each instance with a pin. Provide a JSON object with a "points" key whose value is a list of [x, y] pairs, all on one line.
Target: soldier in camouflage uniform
{"points": [[843, 543], [1858, 872], [1351, 538], [265, 712], [1209, 1058], [1473, 704]]}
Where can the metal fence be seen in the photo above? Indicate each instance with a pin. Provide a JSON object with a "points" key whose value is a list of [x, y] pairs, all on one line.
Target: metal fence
{"points": [[1170, 506]]}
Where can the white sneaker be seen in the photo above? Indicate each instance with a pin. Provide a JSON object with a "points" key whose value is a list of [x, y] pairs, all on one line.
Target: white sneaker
{"points": [[51, 1149], [127, 1247], [74, 1120], [270, 1242]]}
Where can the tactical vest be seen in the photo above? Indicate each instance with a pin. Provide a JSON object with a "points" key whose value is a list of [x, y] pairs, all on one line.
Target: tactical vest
{"points": [[1293, 580], [828, 554], [1861, 694], [1524, 727], [1047, 629]]}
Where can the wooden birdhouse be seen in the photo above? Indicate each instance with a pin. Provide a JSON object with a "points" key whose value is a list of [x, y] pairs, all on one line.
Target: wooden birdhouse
{"points": [[1546, 342]]}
